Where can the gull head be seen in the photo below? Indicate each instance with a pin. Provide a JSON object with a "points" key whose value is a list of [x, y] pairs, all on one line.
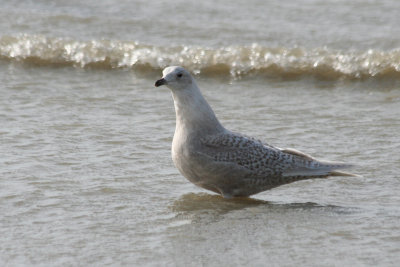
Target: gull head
{"points": [[175, 78]]}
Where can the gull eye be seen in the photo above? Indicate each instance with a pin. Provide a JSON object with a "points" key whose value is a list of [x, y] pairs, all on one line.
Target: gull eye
{"points": [[179, 75]]}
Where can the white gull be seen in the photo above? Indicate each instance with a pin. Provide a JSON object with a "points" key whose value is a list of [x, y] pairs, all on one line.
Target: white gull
{"points": [[225, 162]]}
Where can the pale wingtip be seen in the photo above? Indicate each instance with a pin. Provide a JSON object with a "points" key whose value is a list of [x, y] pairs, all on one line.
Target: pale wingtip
{"points": [[344, 173], [348, 174]]}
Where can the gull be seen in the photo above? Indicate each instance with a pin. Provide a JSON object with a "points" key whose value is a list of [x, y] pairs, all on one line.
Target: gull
{"points": [[225, 162]]}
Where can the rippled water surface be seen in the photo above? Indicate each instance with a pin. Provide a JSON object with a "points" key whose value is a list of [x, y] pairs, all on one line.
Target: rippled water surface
{"points": [[86, 176]]}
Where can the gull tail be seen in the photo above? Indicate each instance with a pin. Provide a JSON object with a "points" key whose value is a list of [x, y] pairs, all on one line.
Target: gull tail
{"points": [[317, 168]]}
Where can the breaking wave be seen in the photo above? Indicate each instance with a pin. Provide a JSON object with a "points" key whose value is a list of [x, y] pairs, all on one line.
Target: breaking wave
{"points": [[235, 61]]}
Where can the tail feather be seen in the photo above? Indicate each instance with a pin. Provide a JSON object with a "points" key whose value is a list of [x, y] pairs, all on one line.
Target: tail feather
{"points": [[320, 169]]}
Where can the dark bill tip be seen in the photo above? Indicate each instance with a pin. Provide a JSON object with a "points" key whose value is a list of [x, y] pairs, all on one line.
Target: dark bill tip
{"points": [[160, 82]]}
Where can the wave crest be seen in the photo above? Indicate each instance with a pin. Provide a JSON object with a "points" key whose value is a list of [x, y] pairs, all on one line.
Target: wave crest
{"points": [[236, 61]]}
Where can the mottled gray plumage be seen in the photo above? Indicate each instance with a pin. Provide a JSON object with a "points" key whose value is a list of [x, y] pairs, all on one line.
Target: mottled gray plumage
{"points": [[228, 163]]}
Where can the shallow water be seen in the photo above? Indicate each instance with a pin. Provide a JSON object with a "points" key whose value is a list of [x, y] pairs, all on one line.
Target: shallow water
{"points": [[86, 175]]}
